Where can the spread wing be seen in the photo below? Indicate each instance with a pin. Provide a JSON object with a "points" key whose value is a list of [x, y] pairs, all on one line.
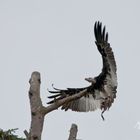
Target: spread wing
{"points": [[102, 91], [106, 82]]}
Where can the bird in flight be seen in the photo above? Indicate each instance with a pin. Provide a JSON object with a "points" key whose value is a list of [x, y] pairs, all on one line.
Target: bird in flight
{"points": [[102, 90]]}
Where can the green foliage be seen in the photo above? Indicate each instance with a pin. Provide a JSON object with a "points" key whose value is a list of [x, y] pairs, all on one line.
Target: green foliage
{"points": [[8, 135]]}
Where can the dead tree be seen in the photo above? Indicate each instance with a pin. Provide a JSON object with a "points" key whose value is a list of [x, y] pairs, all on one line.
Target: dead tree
{"points": [[38, 111], [73, 132]]}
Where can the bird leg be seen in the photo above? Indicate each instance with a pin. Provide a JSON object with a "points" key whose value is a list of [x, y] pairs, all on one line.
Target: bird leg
{"points": [[106, 104]]}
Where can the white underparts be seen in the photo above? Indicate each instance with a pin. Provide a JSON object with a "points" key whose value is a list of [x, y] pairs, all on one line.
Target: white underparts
{"points": [[85, 104]]}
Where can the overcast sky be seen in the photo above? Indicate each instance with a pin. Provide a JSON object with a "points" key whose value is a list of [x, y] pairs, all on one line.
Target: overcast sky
{"points": [[56, 38]]}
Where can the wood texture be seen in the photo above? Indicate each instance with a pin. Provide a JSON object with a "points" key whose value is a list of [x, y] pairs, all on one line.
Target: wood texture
{"points": [[73, 132], [38, 111]]}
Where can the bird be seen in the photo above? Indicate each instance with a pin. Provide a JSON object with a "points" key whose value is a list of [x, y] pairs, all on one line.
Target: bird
{"points": [[101, 92]]}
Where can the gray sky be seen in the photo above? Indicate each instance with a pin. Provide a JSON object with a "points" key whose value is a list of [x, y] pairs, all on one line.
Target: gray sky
{"points": [[56, 38]]}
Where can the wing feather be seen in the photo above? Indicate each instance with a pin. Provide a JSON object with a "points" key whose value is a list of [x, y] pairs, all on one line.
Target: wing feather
{"points": [[107, 79], [100, 94]]}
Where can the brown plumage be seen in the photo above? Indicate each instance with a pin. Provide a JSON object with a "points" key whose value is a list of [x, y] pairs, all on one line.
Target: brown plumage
{"points": [[102, 89]]}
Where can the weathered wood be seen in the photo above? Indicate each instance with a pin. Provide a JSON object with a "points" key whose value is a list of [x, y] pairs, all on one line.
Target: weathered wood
{"points": [[37, 117], [73, 132], [38, 111]]}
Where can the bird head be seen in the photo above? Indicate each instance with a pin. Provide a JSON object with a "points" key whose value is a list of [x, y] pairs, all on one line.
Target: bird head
{"points": [[91, 80]]}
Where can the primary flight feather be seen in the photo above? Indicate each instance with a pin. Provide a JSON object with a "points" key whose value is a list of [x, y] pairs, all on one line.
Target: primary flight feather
{"points": [[102, 89]]}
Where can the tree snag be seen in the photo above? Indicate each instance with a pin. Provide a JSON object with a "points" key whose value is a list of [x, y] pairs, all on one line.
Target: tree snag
{"points": [[38, 111], [73, 132]]}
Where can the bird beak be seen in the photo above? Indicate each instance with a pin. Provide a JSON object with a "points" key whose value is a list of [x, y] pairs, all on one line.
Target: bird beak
{"points": [[93, 81]]}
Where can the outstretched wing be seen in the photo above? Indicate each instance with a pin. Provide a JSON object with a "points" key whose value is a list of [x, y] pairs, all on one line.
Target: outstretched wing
{"points": [[109, 64], [106, 82], [101, 92], [84, 104]]}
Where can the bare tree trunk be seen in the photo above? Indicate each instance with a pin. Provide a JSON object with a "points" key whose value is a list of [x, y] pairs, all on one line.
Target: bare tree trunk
{"points": [[37, 117], [38, 111], [73, 132]]}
